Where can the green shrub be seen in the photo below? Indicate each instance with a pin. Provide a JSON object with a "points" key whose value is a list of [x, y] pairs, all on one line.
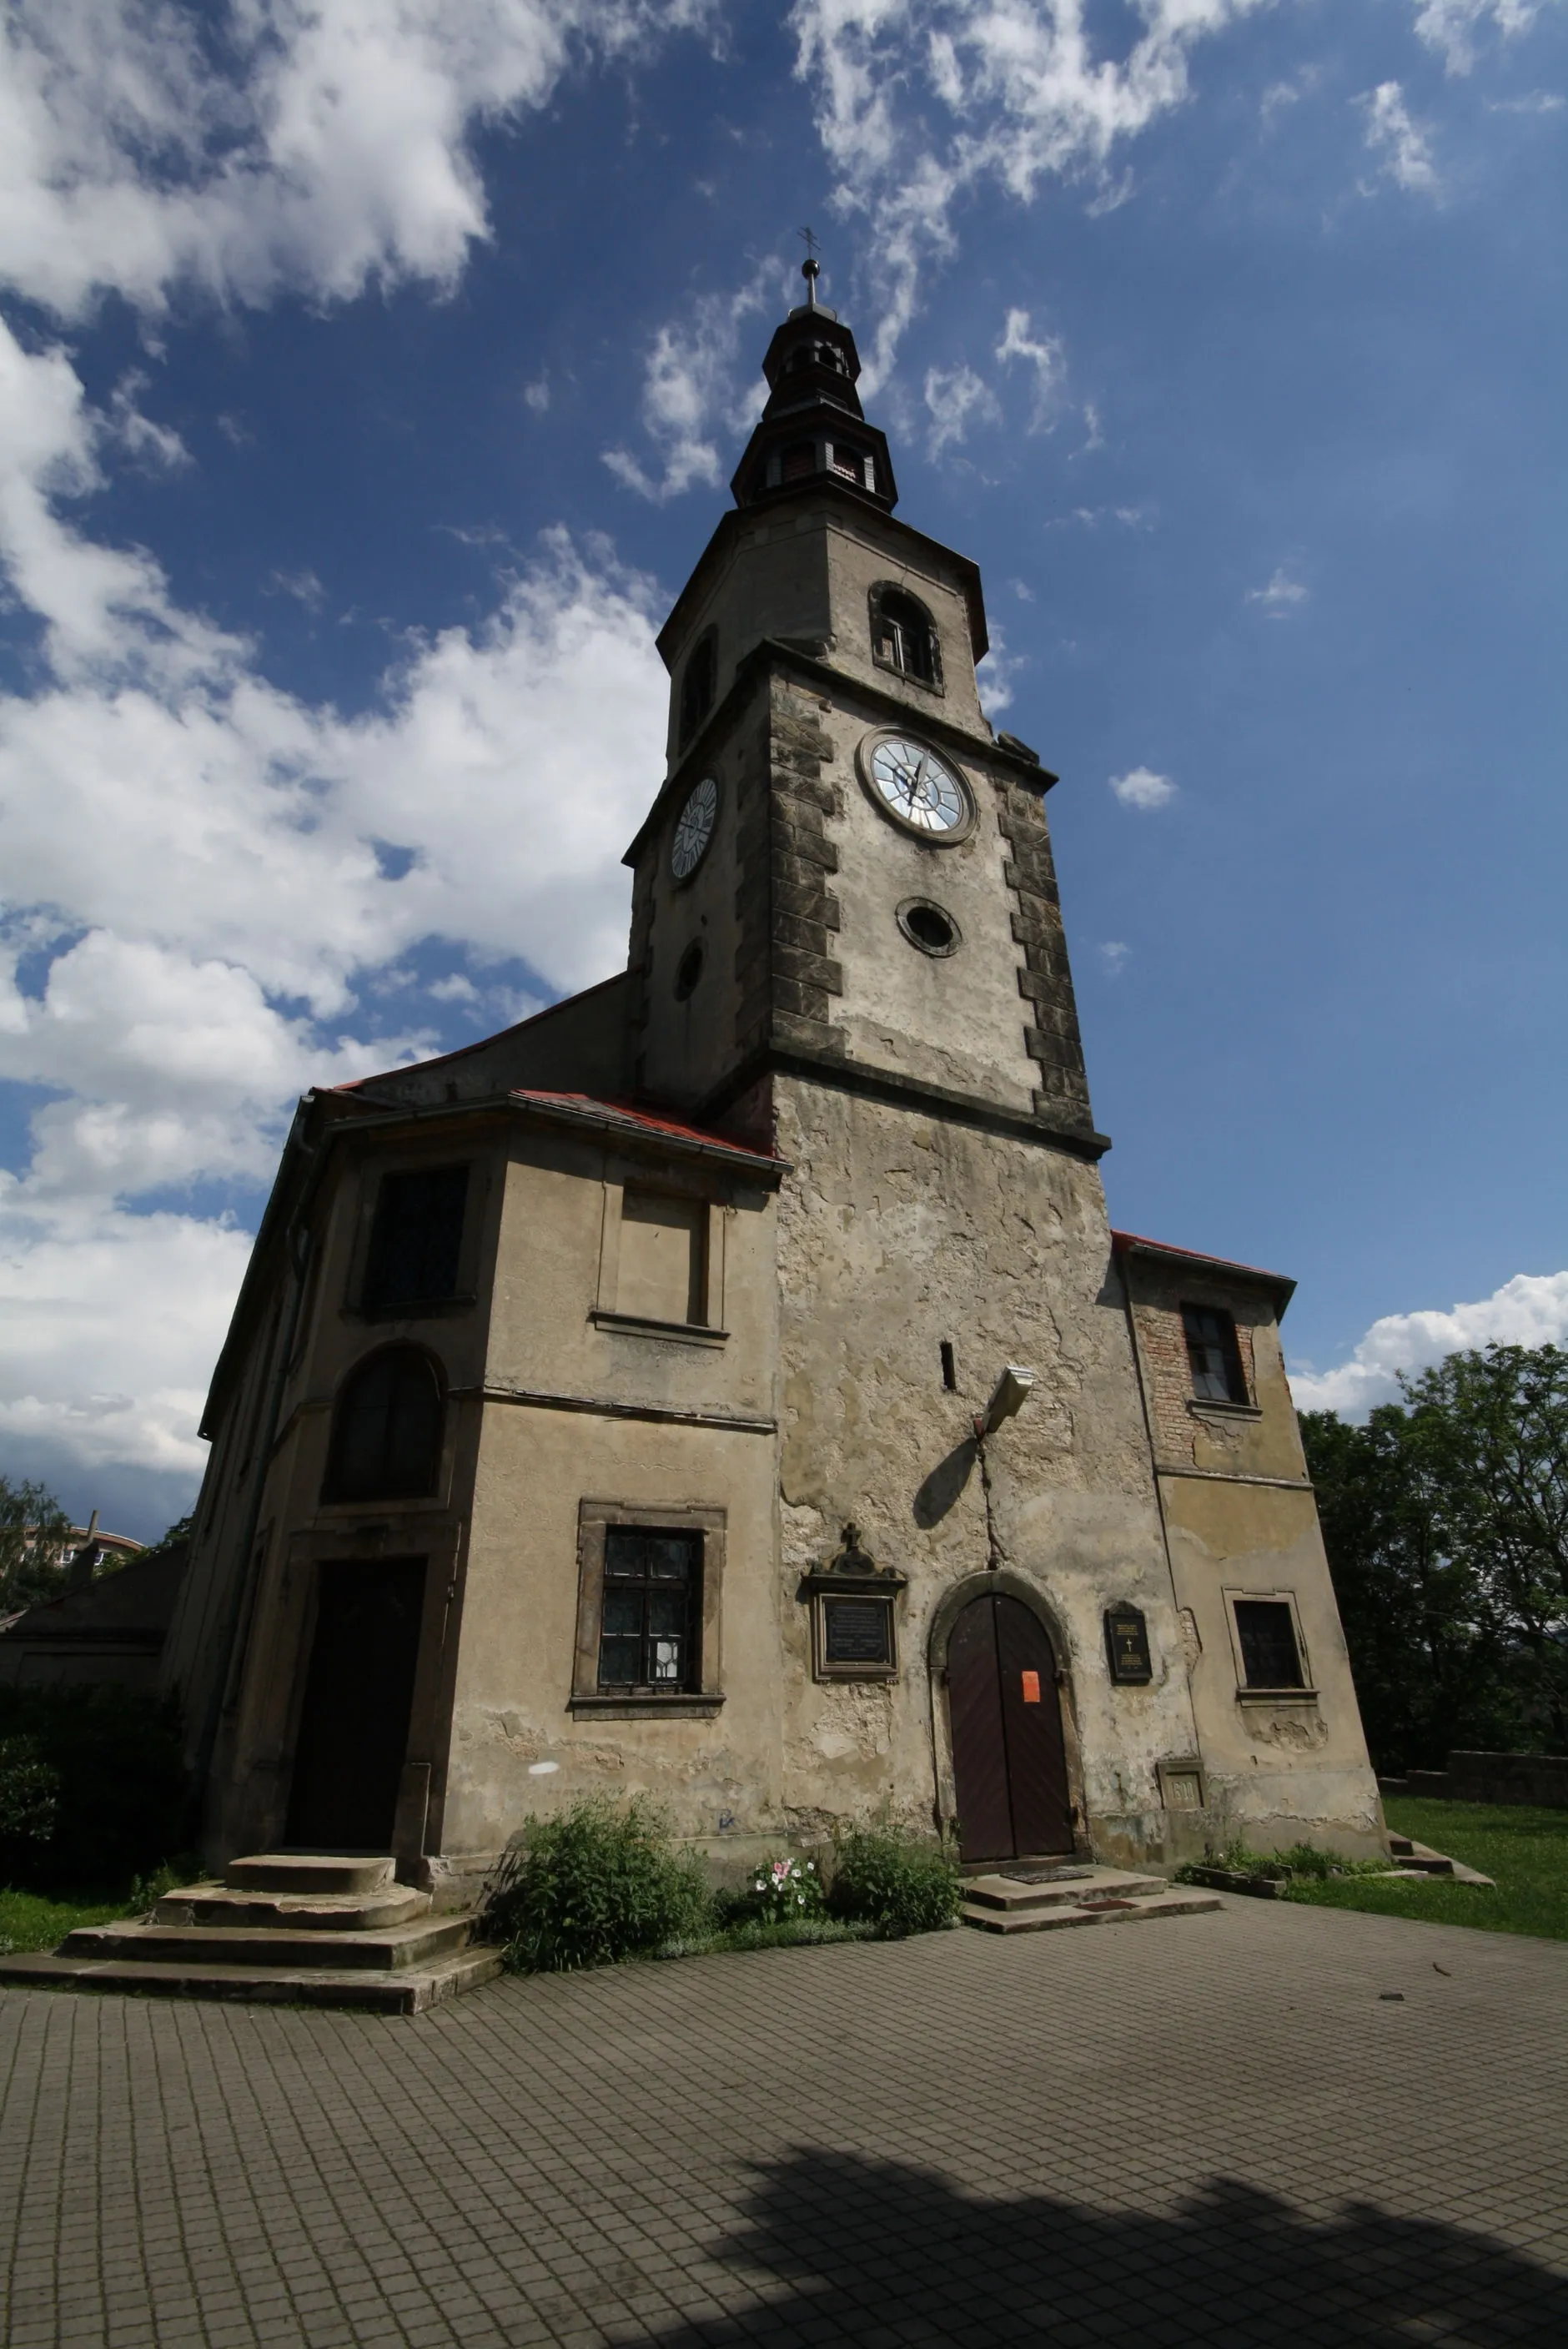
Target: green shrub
{"points": [[1298, 1861], [894, 1883], [593, 1886], [112, 1760], [29, 1794]]}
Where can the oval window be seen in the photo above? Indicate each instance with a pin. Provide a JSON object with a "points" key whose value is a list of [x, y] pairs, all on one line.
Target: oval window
{"points": [[928, 926]]}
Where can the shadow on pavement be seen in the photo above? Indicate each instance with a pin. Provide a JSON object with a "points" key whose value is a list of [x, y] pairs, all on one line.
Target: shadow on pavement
{"points": [[874, 2252]]}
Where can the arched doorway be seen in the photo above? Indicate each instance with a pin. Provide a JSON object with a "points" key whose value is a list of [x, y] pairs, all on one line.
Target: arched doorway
{"points": [[1009, 1758]]}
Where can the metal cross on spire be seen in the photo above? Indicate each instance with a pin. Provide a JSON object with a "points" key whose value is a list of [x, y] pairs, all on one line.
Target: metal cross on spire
{"points": [[810, 268]]}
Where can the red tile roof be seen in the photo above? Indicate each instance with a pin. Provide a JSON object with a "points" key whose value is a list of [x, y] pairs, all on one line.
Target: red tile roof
{"points": [[593, 1111]]}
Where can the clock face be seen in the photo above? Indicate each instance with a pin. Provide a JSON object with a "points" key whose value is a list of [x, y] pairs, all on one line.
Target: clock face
{"points": [[693, 829], [918, 788]]}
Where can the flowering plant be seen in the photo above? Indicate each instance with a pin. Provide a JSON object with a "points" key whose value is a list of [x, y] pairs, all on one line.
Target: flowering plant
{"points": [[784, 1891]]}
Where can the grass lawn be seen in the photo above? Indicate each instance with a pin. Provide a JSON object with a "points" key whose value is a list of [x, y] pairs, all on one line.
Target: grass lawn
{"points": [[1525, 1850], [30, 1921]]}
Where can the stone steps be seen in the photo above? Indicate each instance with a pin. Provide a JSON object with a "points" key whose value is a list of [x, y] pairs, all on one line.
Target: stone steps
{"points": [[293, 1912], [407, 1991], [282, 1927], [1091, 1895], [230, 1945]]}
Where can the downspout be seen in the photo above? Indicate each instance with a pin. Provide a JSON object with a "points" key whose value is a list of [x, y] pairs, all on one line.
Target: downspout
{"points": [[223, 1690]]}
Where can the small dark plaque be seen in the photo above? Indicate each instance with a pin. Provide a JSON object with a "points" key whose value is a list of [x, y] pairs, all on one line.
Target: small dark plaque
{"points": [[1126, 1642], [857, 1630]]}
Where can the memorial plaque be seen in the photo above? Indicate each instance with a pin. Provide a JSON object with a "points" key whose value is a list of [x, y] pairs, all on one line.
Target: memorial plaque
{"points": [[857, 1630], [1127, 1643]]}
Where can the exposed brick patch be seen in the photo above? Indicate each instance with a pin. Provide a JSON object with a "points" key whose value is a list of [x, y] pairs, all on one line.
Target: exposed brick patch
{"points": [[1051, 1035], [1158, 1300]]}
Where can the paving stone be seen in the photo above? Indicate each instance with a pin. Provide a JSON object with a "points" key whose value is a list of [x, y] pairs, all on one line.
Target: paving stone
{"points": [[1228, 2135]]}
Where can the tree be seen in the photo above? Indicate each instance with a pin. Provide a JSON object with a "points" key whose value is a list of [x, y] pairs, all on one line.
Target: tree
{"points": [[1446, 1523], [1496, 1423], [35, 1532], [1429, 1658]]}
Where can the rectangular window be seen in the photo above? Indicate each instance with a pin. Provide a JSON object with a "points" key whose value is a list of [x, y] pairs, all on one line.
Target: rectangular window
{"points": [[416, 1237], [653, 1595], [1271, 1658], [1214, 1355], [661, 1275]]}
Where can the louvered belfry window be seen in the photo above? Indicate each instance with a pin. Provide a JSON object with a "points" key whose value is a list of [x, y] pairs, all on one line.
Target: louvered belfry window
{"points": [[648, 1634]]}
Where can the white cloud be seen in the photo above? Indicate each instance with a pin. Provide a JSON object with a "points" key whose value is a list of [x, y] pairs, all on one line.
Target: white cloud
{"points": [[1091, 517], [1530, 1309], [1048, 357], [1449, 27], [112, 1322], [955, 397], [1534, 101], [1399, 142], [919, 101], [1282, 597], [1114, 953], [192, 866], [1141, 787], [690, 390], [319, 144], [537, 394]]}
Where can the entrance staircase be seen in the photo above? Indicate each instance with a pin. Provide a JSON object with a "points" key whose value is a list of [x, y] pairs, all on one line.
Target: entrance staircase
{"points": [[283, 1928], [1049, 1897]]}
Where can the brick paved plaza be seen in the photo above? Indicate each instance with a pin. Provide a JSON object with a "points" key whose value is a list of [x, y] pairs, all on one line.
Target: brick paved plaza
{"points": [[1209, 2129]]}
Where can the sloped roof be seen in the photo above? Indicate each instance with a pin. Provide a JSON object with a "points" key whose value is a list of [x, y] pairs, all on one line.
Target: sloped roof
{"points": [[1134, 1243]]}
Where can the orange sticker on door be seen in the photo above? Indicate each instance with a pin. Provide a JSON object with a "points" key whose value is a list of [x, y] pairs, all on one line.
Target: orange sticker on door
{"points": [[1031, 1687]]}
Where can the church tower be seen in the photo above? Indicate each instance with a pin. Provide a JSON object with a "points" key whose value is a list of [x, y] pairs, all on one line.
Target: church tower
{"points": [[726, 1385], [846, 867]]}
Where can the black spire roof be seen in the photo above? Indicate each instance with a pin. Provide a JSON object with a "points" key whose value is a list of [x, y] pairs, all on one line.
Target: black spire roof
{"points": [[814, 429]]}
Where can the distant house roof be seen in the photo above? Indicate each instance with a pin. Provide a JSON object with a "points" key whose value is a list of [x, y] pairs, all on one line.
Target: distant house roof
{"points": [[1134, 1243]]}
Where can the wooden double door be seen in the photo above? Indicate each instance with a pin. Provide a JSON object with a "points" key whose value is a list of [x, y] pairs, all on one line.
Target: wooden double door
{"points": [[1009, 1754], [358, 1694]]}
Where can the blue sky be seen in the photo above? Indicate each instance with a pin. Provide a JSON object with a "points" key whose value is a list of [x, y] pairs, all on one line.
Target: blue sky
{"points": [[370, 377]]}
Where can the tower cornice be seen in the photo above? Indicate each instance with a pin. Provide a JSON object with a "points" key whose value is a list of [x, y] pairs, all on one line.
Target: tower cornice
{"points": [[773, 653]]}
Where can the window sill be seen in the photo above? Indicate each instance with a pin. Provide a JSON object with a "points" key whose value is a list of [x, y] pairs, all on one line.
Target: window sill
{"points": [[637, 1325], [1276, 1696], [907, 677], [688, 1706], [1226, 1410]]}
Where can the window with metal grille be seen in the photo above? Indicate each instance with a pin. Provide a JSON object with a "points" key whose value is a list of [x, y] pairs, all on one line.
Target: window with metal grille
{"points": [[416, 1237], [902, 637], [648, 1630], [848, 461], [1270, 1656], [387, 1429], [798, 461], [1214, 1355], [696, 686]]}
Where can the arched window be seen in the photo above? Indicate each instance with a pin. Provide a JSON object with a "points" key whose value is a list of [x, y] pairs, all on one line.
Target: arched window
{"points": [[387, 1429], [903, 636], [696, 685]]}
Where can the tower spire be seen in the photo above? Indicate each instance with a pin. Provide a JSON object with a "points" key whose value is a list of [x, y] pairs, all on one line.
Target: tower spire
{"points": [[810, 268]]}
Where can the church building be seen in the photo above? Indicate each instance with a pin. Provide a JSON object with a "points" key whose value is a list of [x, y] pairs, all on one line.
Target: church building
{"points": [[727, 1385]]}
